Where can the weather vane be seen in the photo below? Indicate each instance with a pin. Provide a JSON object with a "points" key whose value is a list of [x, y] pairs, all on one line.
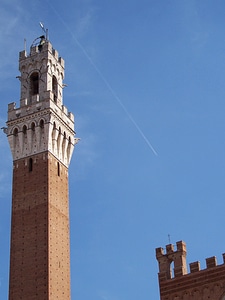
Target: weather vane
{"points": [[41, 39], [45, 30]]}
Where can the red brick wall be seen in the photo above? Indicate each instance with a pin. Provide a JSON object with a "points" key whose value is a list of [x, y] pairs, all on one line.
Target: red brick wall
{"points": [[39, 255], [202, 285]]}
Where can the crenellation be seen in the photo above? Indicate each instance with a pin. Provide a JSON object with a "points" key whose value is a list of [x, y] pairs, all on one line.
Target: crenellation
{"points": [[23, 102], [62, 62], [169, 249], [159, 252], [56, 54], [194, 266], [48, 47], [64, 109], [203, 284], [211, 262], [11, 106], [22, 55], [18, 112], [35, 98], [181, 246], [33, 50], [71, 116]]}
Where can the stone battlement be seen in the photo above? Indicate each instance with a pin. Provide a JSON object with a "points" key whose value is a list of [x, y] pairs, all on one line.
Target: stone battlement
{"points": [[46, 47], [16, 112]]}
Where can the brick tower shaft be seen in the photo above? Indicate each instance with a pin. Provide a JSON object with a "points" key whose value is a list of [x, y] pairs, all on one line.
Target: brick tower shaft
{"points": [[40, 260]]}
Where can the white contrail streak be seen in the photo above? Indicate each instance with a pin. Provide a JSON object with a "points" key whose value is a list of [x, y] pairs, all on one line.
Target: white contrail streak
{"points": [[106, 82]]}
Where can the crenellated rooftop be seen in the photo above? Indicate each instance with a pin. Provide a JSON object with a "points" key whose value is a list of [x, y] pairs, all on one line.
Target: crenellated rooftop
{"points": [[18, 112], [178, 257], [178, 283], [47, 47]]}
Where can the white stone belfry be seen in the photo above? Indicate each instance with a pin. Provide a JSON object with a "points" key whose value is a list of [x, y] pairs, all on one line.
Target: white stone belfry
{"points": [[41, 123]]}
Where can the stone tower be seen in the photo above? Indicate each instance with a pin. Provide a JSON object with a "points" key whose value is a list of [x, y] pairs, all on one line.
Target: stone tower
{"points": [[41, 137], [199, 284]]}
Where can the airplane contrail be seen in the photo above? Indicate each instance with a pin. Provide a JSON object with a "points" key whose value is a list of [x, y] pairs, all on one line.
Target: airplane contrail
{"points": [[112, 91]]}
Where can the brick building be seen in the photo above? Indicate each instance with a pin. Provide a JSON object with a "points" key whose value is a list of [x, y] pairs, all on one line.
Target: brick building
{"points": [[41, 136], [178, 284]]}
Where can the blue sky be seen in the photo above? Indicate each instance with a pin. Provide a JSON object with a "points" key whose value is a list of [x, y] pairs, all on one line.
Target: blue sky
{"points": [[141, 75]]}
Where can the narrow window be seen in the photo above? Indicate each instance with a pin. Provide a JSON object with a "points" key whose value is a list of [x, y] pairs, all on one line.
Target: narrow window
{"points": [[58, 167], [30, 165], [55, 88], [68, 150], [34, 84]]}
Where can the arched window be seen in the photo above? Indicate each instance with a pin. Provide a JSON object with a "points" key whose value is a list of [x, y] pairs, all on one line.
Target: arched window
{"points": [[42, 123], [54, 88], [24, 129], [15, 132], [15, 138], [34, 84], [58, 139], [33, 126]]}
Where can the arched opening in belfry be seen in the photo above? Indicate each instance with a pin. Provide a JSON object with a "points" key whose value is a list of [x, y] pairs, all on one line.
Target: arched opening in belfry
{"points": [[34, 84], [33, 136], [25, 130], [54, 88], [42, 123], [25, 135], [64, 146], [42, 132], [59, 141], [54, 138], [15, 136], [15, 132], [33, 126], [170, 269]]}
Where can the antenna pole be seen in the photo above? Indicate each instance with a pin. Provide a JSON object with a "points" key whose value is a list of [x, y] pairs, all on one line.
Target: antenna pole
{"points": [[25, 45]]}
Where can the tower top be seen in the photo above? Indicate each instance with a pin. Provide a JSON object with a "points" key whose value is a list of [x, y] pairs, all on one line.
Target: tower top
{"points": [[41, 107]]}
